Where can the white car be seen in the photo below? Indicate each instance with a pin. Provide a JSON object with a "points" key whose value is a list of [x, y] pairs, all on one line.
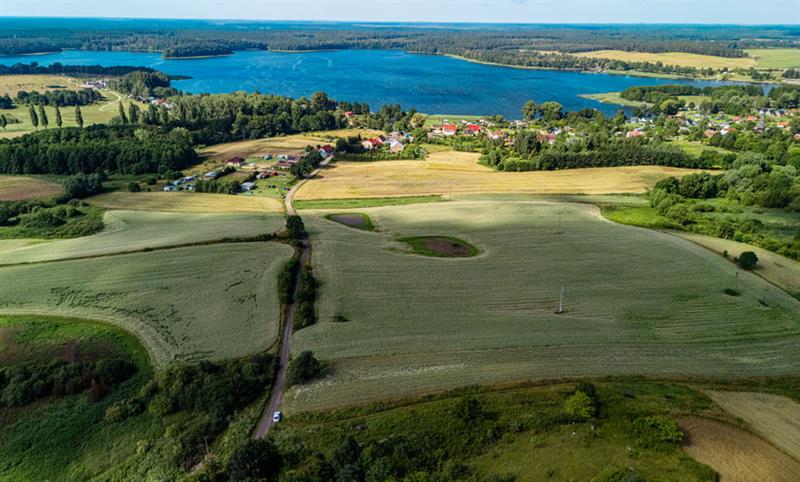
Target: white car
{"points": [[276, 416]]}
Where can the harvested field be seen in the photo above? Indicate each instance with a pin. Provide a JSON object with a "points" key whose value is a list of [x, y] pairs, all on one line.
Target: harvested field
{"points": [[637, 302], [775, 58], [737, 455], [279, 145], [776, 269], [354, 220], [11, 84], [186, 304], [774, 417], [137, 230], [453, 173], [187, 202], [16, 188], [673, 58]]}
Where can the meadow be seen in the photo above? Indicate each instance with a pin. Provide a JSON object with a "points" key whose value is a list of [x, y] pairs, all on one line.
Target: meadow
{"points": [[673, 58], [127, 231], [183, 304], [16, 188], [291, 144], [455, 173], [187, 202], [637, 302], [775, 58]]}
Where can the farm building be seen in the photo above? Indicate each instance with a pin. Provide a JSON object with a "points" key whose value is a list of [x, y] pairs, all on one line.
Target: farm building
{"points": [[236, 161]]}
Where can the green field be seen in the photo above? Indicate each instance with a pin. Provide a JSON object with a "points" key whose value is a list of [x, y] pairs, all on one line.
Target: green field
{"points": [[637, 302], [775, 58], [207, 302], [613, 98], [127, 231], [697, 148]]}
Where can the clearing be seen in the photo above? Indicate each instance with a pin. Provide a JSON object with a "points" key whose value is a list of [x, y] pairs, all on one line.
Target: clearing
{"points": [[737, 455], [17, 188], [183, 304], [187, 202], [775, 58], [127, 231], [673, 58], [637, 302], [450, 173], [774, 417]]}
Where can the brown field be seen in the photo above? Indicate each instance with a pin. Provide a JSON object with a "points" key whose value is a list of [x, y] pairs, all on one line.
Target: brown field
{"points": [[774, 417], [446, 173], [11, 84], [735, 454], [778, 270], [187, 202], [279, 145], [15, 188], [673, 58]]}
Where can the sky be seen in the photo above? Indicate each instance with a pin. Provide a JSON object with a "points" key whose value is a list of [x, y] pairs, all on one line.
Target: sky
{"points": [[516, 11]]}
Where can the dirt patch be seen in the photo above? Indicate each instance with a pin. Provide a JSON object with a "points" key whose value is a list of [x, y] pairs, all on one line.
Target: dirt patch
{"points": [[735, 454], [353, 220], [441, 246], [18, 188]]}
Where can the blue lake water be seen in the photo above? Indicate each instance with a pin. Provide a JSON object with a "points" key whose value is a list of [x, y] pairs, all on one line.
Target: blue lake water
{"points": [[429, 83]]}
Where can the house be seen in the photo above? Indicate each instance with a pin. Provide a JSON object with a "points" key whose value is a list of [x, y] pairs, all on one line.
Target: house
{"points": [[248, 186], [371, 144], [236, 161], [266, 174], [189, 178], [727, 130], [396, 146], [212, 174], [169, 188], [634, 133], [283, 164], [710, 133], [547, 137], [472, 130], [783, 124], [326, 151], [449, 129], [797, 136], [268, 157], [497, 135]]}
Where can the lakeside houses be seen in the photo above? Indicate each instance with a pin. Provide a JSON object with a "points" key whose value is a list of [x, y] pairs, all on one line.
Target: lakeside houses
{"points": [[472, 130], [326, 151], [95, 84]]}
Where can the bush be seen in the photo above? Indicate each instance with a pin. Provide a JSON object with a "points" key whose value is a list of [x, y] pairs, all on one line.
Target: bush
{"points": [[469, 410], [747, 260], [580, 406], [731, 292], [82, 185], [133, 186], [303, 368], [657, 429], [255, 460], [617, 474]]}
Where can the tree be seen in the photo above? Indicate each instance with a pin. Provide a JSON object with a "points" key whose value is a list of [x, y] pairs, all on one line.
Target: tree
{"points": [[34, 117], [59, 120], [529, 110], [3, 121], [295, 227], [134, 186], [747, 260], [303, 368], [43, 117], [122, 117], [78, 116], [550, 111], [255, 460], [469, 409], [580, 406], [133, 113]]}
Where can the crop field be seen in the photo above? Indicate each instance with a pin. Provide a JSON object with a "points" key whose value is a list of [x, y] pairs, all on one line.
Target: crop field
{"points": [[736, 455], [453, 173], [11, 84], [637, 302], [127, 231], [183, 304], [16, 188], [673, 58], [279, 145], [773, 267], [774, 417], [187, 202], [775, 58]]}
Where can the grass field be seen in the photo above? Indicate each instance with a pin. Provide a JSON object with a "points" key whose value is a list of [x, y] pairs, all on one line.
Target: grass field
{"points": [[15, 188], [637, 302], [736, 455], [673, 58], [279, 145], [138, 230], [697, 148], [775, 58], [454, 173], [774, 417], [773, 267], [187, 202], [11, 84], [613, 98], [208, 302]]}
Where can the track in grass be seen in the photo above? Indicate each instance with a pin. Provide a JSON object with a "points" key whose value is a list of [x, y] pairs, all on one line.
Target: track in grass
{"points": [[184, 304], [637, 302]]}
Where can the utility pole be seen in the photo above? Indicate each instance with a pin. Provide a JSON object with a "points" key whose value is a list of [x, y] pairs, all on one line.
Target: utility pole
{"points": [[561, 302]]}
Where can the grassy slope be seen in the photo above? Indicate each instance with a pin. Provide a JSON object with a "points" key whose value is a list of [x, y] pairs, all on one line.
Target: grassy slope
{"points": [[775, 58], [15, 188], [637, 302], [137, 230], [208, 302]]}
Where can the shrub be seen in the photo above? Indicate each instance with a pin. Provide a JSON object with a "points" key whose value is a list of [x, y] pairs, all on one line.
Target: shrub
{"points": [[469, 409], [255, 460], [731, 292], [133, 186], [657, 429], [303, 368], [747, 260], [580, 406], [617, 474]]}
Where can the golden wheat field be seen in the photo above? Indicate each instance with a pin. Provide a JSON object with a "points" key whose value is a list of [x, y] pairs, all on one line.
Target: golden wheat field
{"points": [[187, 202], [673, 58]]}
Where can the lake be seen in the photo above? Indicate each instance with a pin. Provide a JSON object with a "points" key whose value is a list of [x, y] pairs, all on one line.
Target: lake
{"points": [[429, 83]]}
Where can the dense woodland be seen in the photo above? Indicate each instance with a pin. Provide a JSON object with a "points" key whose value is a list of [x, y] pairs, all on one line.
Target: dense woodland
{"points": [[60, 98]]}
